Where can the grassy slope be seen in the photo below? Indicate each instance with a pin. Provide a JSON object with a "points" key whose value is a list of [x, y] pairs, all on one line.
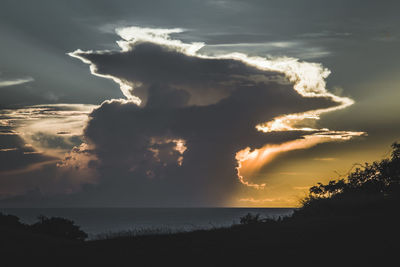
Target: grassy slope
{"points": [[336, 241]]}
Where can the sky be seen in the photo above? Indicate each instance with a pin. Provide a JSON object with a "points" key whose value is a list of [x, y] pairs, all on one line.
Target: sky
{"points": [[192, 103]]}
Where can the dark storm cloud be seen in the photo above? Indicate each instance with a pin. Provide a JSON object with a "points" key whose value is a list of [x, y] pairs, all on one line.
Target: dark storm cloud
{"points": [[15, 154], [24, 169], [137, 145]]}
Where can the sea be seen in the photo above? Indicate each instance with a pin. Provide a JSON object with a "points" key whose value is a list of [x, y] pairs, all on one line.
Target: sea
{"points": [[106, 222]]}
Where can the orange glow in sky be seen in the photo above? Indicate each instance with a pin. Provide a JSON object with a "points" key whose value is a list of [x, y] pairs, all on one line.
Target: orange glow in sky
{"points": [[250, 162]]}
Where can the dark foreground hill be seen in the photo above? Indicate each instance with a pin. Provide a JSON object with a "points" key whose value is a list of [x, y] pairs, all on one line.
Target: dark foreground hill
{"points": [[350, 222], [345, 241]]}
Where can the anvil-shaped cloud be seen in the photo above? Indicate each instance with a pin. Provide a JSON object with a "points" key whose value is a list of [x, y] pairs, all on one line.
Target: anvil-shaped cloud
{"points": [[192, 122]]}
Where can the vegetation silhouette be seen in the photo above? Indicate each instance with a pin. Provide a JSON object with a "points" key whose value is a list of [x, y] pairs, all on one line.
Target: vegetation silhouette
{"points": [[372, 188], [9, 220], [54, 226], [57, 226], [250, 219]]}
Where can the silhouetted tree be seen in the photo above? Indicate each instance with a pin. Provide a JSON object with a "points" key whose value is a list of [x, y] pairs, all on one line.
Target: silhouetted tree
{"points": [[371, 183], [9, 220], [60, 227]]}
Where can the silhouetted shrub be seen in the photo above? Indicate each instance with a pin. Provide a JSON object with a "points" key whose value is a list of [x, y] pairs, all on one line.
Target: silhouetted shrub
{"points": [[250, 219], [60, 227], [9, 220]]}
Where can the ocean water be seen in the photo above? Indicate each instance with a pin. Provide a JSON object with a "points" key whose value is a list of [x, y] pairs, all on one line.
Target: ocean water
{"points": [[97, 221]]}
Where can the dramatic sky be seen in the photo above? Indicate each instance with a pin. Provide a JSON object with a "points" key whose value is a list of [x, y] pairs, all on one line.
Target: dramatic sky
{"points": [[192, 103]]}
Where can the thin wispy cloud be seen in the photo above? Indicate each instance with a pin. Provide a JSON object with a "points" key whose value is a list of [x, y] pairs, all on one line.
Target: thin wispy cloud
{"points": [[325, 159], [46, 139], [53, 128], [294, 48], [12, 82]]}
